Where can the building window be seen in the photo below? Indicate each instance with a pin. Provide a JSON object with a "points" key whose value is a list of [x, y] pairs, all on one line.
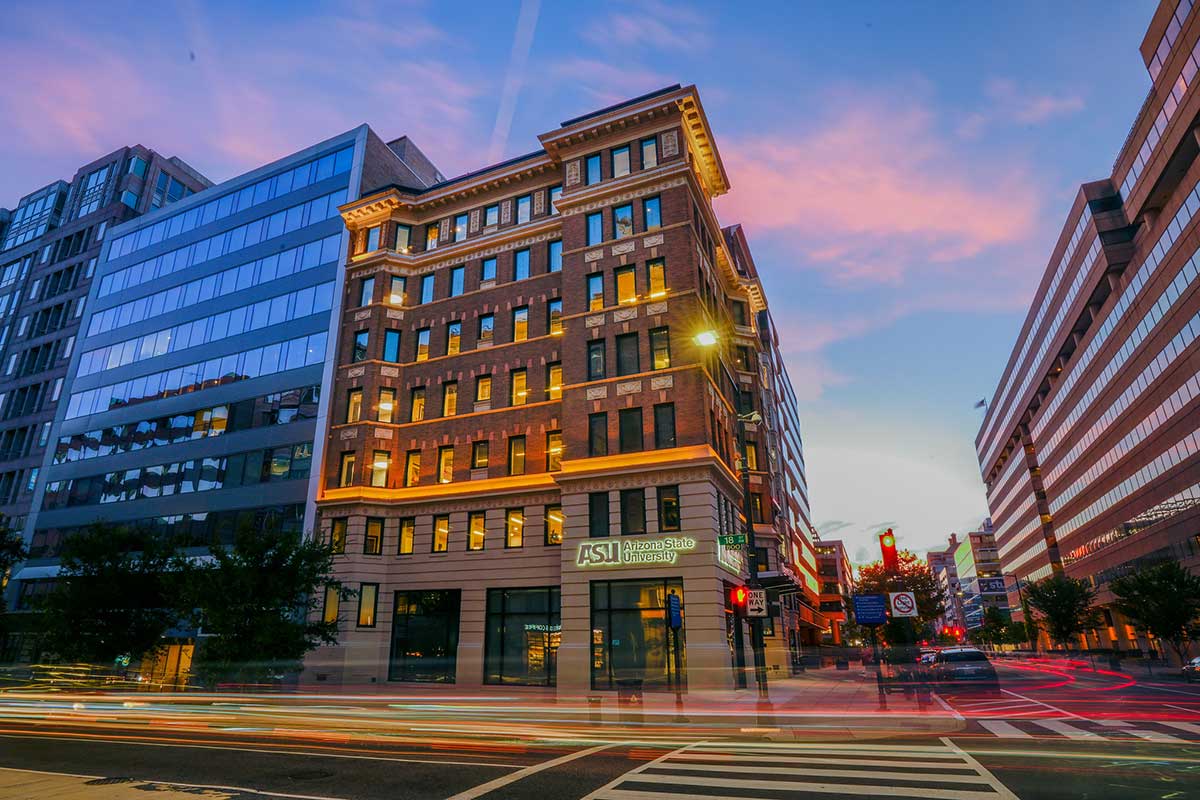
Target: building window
{"points": [[387, 404], [425, 636], [460, 227], [373, 540], [664, 425], [668, 508], [403, 238], [479, 455], [487, 324], [521, 265], [524, 206], [553, 520], [458, 276], [516, 455], [598, 434], [519, 391], [514, 527], [649, 153], [597, 515], [137, 166], [422, 353], [453, 338], [657, 272], [412, 468], [396, 290], [380, 464], [416, 404], [483, 389], [337, 536], [366, 291], [329, 614], [368, 598], [554, 381], [449, 398], [595, 291], [592, 170], [520, 323], [554, 451], [427, 288], [633, 512], [554, 314], [629, 630], [626, 285], [353, 405], [524, 628], [595, 360], [487, 271], [441, 533], [554, 256], [595, 228], [408, 527], [628, 362], [629, 429], [445, 464], [752, 456], [431, 236], [346, 470], [620, 161], [491, 215], [756, 507], [652, 213], [391, 346], [660, 348], [129, 198], [622, 221], [740, 315], [476, 530], [361, 342], [555, 196]]}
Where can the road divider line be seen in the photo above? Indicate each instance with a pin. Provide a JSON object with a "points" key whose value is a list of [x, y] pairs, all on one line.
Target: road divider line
{"points": [[1003, 729], [947, 706], [983, 771], [609, 789], [1183, 708], [1062, 711], [1066, 730], [505, 780]]}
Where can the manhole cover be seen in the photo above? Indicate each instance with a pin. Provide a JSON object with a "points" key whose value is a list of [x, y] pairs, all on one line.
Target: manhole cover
{"points": [[310, 775], [108, 781]]}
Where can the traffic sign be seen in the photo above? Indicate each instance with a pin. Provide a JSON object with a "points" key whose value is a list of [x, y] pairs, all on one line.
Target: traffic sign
{"points": [[756, 604], [674, 612], [870, 609], [904, 604], [732, 539]]}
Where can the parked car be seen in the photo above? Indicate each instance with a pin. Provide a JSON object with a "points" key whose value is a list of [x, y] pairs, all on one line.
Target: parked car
{"points": [[1191, 670], [965, 666]]}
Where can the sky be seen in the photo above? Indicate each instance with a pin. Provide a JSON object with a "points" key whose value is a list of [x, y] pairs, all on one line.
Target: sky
{"points": [[902, 170]]}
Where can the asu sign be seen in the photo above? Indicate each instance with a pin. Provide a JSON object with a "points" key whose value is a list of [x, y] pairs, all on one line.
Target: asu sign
{"points": [[632, 552]]}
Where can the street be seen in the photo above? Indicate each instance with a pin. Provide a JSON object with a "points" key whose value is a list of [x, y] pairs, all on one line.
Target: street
{"points": [[1053, 731]]}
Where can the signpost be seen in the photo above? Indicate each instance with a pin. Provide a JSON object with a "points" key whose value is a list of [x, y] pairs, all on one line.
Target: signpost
{"points": [[756, 603], [904, 604], [675, 623]]}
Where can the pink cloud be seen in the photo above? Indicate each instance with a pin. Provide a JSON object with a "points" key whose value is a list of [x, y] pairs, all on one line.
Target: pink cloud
{"points": [[651, 23], [1007, 103]]}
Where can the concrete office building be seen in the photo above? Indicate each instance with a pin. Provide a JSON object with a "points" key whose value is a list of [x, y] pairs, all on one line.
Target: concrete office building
{"points": [[942, 564], [532, 445], [1090, 447], [48, 250], [837, 585], [981, 583]]}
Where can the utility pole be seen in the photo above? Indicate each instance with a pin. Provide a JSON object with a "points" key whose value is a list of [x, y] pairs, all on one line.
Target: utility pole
{"points": [[756, 631]]}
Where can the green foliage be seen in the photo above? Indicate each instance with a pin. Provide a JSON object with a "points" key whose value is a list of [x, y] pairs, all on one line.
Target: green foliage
{"points": [[1017, 633], [114, 597], [1163, 599], [258, 602], [914, 576], [992, 631], [12, 552], [1064, 606]]}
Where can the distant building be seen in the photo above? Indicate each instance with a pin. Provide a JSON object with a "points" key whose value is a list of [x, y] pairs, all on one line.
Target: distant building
{"points": [[980, 578], [837, 584], [941, 563]]}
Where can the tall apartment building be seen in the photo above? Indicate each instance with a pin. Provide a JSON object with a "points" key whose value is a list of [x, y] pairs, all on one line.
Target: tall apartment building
{"points": [[980, 578], [942, 565], [534, 412], [1090, 448], [837, 584], [48, 253]]}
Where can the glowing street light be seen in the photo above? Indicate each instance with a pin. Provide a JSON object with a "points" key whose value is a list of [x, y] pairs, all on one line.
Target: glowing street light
{"points": [[706, 338]]}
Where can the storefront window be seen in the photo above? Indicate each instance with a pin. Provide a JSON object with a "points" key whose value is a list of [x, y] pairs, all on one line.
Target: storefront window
{"points": [[523, 632], [425, 636], [632, 647]]}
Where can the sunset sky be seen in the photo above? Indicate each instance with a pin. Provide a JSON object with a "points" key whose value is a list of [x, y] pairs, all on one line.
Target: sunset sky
{"points": [[902, 170]]}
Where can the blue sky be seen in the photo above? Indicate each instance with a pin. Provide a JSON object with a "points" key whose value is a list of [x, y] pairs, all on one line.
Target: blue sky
{"points": [[902, 170]]}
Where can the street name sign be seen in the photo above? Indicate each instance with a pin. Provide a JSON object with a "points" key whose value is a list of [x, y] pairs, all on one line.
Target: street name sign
{"points": [[732, 539]]}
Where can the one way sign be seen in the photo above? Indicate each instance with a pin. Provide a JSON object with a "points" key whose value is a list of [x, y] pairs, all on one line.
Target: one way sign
{"points": [[756, 603]]}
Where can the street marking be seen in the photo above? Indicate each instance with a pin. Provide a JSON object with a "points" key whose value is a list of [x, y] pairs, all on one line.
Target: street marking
{"points": [[505, 780], [1183, 726], [1040, 703], [945, 777], [805, 786], [183, 785], [1003, 729], [946, 705], [1113, 723], [1182, 708], [993, 781], [824, 760], [822, 747], [1065, 729], [1165, 689], [1155, 736]]}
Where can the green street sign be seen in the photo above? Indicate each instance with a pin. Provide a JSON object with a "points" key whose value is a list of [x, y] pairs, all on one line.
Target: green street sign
{"points": [[732, 539]]}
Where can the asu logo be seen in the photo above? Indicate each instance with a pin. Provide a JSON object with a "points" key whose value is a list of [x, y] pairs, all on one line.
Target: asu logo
{"points": [[598, 554]]}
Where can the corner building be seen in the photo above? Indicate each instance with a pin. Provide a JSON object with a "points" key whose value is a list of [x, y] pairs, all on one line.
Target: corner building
{"points": [[530, 449], [1090, 448]]}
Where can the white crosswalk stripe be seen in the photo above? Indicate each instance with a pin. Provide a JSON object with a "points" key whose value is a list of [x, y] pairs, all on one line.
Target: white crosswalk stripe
{"points": [[1086, 730], [747, 771]]}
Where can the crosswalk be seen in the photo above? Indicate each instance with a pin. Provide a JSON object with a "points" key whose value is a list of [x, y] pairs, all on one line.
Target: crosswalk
{"points": [[1087, 730], [712, 770]]}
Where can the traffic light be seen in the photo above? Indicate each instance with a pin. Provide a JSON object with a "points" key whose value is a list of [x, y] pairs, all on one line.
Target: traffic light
{"points": [[887, 544], [738, 597]]}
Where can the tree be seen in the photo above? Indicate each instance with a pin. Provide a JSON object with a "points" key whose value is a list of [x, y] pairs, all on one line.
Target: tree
{"points": [[114, 597], [257, 602], [12, 552], [1064, 605], [1017, 633], [1163, 599], [913, 575], [992, 630]]}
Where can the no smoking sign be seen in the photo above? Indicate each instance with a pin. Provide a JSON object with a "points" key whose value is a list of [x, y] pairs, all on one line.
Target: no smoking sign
{"points": [[904, 604]]}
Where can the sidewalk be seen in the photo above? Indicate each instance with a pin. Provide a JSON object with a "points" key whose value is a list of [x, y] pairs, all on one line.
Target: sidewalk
{"points": [[53, 786]]}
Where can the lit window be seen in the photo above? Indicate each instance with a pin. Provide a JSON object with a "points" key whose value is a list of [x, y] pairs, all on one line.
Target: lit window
{"points": [[479, 455], [453, 338], [449, 399], [554, 256], [649, 153], [380, 464], [554, 524], [387, 404], [431, 236], [346, 470], [657, 270], [520, 393], [520, 324], [660, 348], [332, 599], [626, 285], [595, 228], [407, 529], [620, 162], [423, 344], [752, 456], [412, 468], [483, 389], [417, 406], [368, 596], [514, 527], [373, 540], [524, 206], [396, 291], [476, 530], [516, 455], [445, 465], [441, 533], [354, 405], [403, 238], [622, 221], [337, 536], [554, 451], [554, 379]]}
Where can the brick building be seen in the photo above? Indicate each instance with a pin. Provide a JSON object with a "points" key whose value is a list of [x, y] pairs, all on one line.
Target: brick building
{"points": [[1090, 448], [837, 585], [541, 370]]}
